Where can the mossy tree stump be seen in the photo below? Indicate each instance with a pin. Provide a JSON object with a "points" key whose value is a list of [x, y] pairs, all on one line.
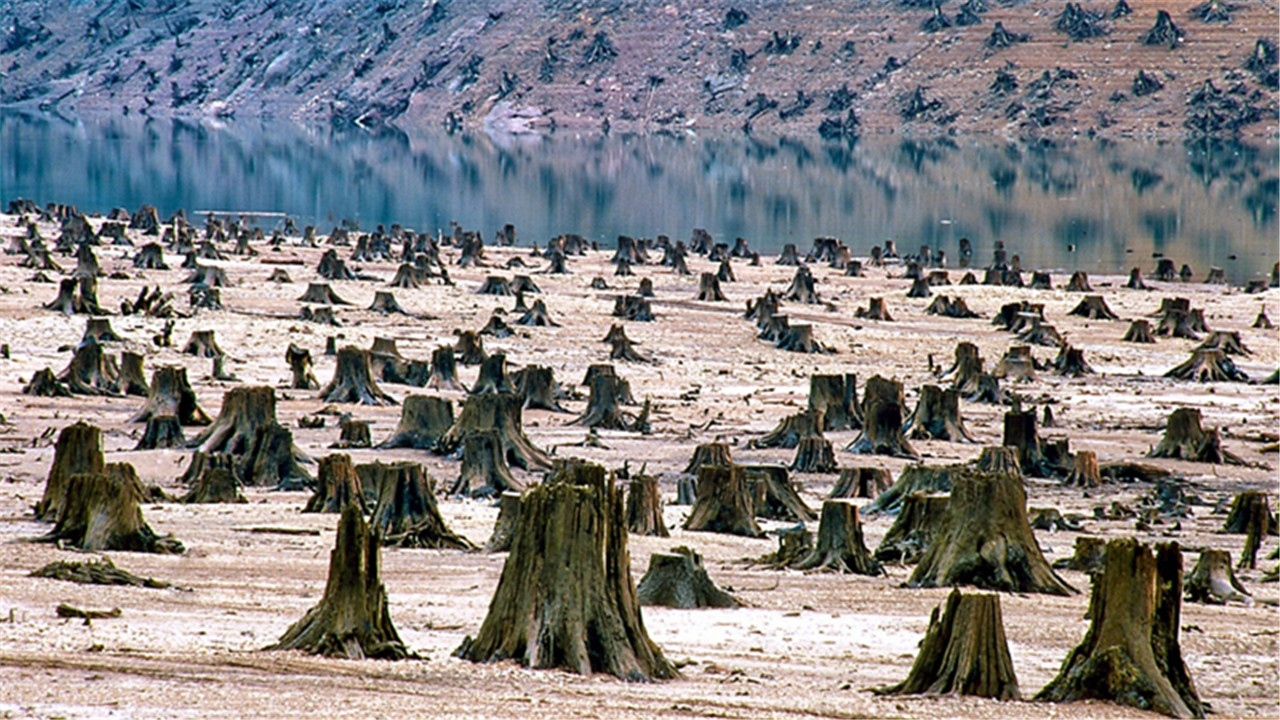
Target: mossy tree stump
{"points": [[262, 450], [986, 540], [1130, 654], [505, 526], [678, 579], [566, 598], [351, 620], [836, 397], [964, 652]]}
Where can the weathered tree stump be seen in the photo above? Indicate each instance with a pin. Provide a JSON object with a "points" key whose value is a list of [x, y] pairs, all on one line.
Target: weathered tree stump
{"points": [[921, 517], [1213, 582], [1079, 282], [716, 453], [964, 652], [131, 380], [303, 378], [384, 302], [1089, 556], [882, 421], [215, 485], [351, 620], [791, 429], [1135, 280], [171, 395], [1130, 654], [99, 328], [875, 310], [1228, 342], [622, 347], [1208, 365], [966, 369], [1249, 508], [537, 316], [44, 383], [444, 370], [321, 294], [202, 344], [423, 420], [774, 496], [1139, 332], [861, 482], [794, 544], [246, 429], [406, 514], [937, 416], [836, 398], [840, 547], [913, 479], [1093, 307], [101, 510], [566, 598], [208, 275], [353, 433], [604, 411], [644, 507], [1038, 333], [1071, 363], [493, 376], [814, 455], [353, 380], [1262, 322], [504, 527], [678, 579], [952, 307], [502, 412], [920, 289], [91, 371], [485, 471], [1020, 433], [724, 503], [1185, 439], [709, 288], [162, 431], [469, 349], [802, 288], [77, 451], [537, 385], [634, 307], [986, 541], [1084, 470]]}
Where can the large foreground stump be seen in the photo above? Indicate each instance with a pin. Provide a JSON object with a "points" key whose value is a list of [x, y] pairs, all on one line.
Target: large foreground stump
{"points": [[77, 451], [677, 579], [987, 541], [351, 620], [406, 514], [102, 511], [566, 598], [840, 547], [964, 652], [724, 502], [1130, 654]]}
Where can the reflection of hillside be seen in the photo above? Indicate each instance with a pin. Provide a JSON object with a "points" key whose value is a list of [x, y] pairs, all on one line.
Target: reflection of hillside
{"points": [[1196, 203]]}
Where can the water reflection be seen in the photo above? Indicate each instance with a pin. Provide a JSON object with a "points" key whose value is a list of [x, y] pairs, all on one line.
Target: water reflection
{"points": [[1117, 203]]}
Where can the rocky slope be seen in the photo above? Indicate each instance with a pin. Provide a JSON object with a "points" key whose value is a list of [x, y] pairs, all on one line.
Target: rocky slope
{"points": [[649, 66]]}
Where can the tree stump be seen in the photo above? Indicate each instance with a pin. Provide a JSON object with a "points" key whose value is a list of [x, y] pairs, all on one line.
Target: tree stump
{"points": [[678, 579], [966, 369], [622, 347], [77, 451], [215, 485], [986, 541], [604, 404], [840, 547], [964, 652], [1084, 470], [1227, 341], [774, 496], [1089, 556], [202, 344], [485, 472], [337, 485], [406, 514], [423, 420], [102, 511], [537, 316], [1184, 438], [1139, 332], [171, 395], [875, 310], [861, 482], [921, 517], [536, 384], [1249, 508], [709, 288], [469, 350], [882, 421], [1262, 322], [913, 479], [384, 302], [814, 455], [724, 503], [1079, 282], [836, 397], [1093, 307], [246, 429], [999, 459], [1130, 654], [353, 380], [493, 376], [937, 416], [794, 544], [1020, 434], [131, 380], [351, 620], [444, 370], [644, 507], [503, 413], [566, 598], [791, 429], [99, 328], [45, 384], [321, 294], [162, 431], [1208, 365], [91, 371], [1213, 582], [716, 453], [300, 367]]}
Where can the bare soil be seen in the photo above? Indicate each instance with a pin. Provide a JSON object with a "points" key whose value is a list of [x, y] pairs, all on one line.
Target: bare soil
{"points": [[806, 645]]}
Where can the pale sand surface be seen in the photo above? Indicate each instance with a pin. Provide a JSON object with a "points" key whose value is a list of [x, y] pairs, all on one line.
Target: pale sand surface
{"points": [[808, 645]]}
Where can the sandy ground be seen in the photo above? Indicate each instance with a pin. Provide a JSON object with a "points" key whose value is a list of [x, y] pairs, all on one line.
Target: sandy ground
{"points": [[807, 645]]}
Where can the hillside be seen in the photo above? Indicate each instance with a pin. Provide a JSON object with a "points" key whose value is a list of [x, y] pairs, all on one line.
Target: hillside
{"points": [[647, 66]]}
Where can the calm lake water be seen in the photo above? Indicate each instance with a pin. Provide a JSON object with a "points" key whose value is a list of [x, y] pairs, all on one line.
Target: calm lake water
{"points": [[1117, 203]]}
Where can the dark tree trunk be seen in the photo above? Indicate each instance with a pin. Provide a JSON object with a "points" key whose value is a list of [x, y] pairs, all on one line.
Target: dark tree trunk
{"points": [[503, 413], [1093, 307], [246, 429], [485, 472], [1139, 332], [913, 479], [1020, 434], [300, 366], [1079, 282], [875, 310], [351, 621], [836, 397], [353, 380], [100, 330], [791, 429], [77, 451], [802, 289], [505, 526], [337, 486], [493, 376], [1208, 365], [1071, 363], [385, 303], [1084, 470], [423, 419], [1185, 439], [537, 385], [102, 511], [774, 496], [406, 514], [321, 294], [215, 485], [644, 507], [171, 395], [986, 540], [604, 405], [840, 547], [799, 338], [566, 598], [921, 518], [966, 369], [91, 371], [725, 503], [937, 416], [622, 347], [709, 289], [45, 384], [861, 482], [131, 380], [717, 454], [919, 289], [162, 431], [444, 370], [964, 652], [1089, 556], [1130, 654], [882, 421], [469, 349], [678, 579], [814, 455], [353, 434]]}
